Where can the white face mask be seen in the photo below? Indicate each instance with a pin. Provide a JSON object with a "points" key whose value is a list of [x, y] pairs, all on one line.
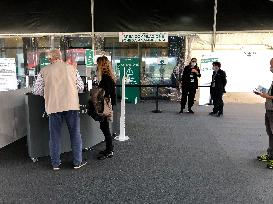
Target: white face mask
{"points": [[193, 64], [271, 69]]}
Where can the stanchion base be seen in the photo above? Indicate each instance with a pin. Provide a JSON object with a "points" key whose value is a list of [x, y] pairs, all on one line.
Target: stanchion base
{"points": [[121, 138], [157, 111]]}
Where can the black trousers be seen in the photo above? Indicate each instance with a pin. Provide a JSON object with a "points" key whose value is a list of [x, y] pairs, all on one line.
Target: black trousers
{"points": [[104, 126], [188, 94], [217, 99]]}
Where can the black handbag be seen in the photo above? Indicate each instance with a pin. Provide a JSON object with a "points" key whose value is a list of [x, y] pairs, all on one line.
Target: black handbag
{"points": [[96, 104]]}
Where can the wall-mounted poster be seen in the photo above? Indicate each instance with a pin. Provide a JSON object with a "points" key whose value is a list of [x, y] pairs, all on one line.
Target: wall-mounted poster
{"points": [[205, 80], [89, 58], [8, 80], [44, 59], [75, 55], [132, 73], [32, 59]]}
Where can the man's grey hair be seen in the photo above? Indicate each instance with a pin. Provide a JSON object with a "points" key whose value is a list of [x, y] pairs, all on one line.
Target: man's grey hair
{"points": [[55, 54]]}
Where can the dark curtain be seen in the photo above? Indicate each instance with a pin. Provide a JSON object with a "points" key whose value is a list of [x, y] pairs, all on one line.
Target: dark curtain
{"points": [[36, 16], [153, 15], [243, 15]]}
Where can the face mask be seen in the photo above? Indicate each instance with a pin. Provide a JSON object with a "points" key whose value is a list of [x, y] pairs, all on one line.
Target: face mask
{"points": [[193, 64], [271, 69], [214, 68]]}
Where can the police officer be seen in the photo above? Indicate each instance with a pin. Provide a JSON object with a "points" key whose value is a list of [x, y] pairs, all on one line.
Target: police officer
{"points": [[189, 84], [217, 89]]}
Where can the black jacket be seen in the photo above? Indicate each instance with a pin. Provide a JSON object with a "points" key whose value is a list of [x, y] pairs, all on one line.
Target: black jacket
{"points": [[108, 85], [190, 79], [220, 80]]}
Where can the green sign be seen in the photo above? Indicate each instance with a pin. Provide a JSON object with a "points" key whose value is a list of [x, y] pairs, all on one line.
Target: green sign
{"points": [[209, 60], [132, 74], [44, 61], [89, 58]]}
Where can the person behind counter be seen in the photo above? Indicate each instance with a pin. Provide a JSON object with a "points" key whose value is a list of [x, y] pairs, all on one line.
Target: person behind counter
{"points": [[59, 84], [106, 80]]}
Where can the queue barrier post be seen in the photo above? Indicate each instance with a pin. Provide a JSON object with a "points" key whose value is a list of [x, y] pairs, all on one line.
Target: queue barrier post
{"points": [[157, 90], [122, 136], [156, 101]]}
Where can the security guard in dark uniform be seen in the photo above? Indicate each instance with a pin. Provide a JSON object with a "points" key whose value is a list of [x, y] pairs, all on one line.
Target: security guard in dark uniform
{"points": [[189, 84], [217, 89]]}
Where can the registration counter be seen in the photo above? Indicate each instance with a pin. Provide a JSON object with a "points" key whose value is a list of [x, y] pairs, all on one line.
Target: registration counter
{"points": [[12, 116], [38, 132]]}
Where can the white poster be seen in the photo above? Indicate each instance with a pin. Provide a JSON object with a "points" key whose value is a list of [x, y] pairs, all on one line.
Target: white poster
{"points": [[246, 69], [143, 37], [206, 74], [8, 80]]}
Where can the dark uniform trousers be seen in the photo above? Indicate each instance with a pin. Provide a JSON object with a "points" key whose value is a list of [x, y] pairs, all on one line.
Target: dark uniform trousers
{"points": [[188, 94], [217, 98]]}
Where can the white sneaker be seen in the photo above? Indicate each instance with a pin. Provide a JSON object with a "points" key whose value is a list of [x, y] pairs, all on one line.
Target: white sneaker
{"points": [[56, 168], [83, 163]]}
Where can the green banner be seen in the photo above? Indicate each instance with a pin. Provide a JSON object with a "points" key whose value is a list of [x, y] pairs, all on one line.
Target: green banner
{"points": [[43, 61], [209, 60], [89, 58], [132, 73]]}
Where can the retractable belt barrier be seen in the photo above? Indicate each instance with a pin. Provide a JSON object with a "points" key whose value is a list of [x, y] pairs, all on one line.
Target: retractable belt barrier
{"points": [[157, 87]]}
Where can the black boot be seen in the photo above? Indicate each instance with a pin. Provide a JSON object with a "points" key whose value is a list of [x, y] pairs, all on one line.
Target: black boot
{"points": [[103, 152], [212, 113], [190, 110], [108, 154]]}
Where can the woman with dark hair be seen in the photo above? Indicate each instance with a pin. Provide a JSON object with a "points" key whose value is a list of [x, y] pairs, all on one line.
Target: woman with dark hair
{"points": [[107, 82]]}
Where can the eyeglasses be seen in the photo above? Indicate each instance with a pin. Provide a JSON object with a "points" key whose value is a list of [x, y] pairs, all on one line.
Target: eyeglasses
{"points": [[193, 61]]}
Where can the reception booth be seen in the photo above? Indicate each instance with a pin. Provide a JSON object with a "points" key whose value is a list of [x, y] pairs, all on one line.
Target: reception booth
{"points": [[12, 116], [38, 132]]}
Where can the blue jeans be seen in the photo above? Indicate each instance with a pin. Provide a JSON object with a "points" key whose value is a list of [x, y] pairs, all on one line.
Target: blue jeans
{"points": [[55, 126]]}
